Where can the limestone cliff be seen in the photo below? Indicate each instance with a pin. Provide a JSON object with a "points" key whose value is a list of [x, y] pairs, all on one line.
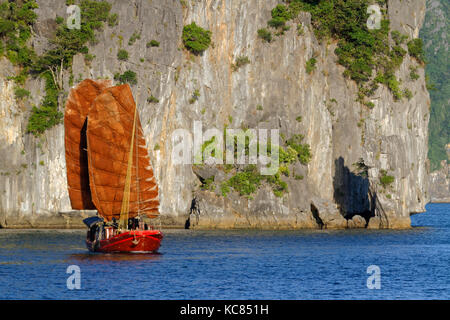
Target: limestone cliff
{"points": [[440, 184], [271, 92]]}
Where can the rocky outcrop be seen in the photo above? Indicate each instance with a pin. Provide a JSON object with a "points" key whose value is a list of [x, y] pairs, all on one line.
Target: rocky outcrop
{"points": [[391, 137], [357, 222], [440, 184]]}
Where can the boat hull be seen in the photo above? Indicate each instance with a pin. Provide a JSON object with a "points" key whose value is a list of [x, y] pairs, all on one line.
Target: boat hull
{"points": [[134, 241]]}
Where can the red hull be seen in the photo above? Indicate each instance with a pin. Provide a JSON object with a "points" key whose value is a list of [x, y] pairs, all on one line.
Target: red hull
{"points": [[134, 241]]}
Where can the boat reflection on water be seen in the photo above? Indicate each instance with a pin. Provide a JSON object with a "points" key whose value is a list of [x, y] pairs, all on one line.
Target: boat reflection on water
{"points": [[114, 257]]}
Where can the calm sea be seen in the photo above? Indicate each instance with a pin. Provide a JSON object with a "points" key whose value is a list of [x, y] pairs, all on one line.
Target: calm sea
{"points": [[412, 264]]}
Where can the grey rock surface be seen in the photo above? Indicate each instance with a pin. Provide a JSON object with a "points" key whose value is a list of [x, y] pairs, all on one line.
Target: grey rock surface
{"points": [[393, 136], [356, 222], [440, 184]]}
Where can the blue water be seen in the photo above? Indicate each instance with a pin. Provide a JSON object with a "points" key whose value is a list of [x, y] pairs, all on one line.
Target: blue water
{"points": [[414, 264]]}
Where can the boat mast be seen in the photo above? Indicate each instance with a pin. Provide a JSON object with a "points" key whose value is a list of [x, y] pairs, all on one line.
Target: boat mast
{"points": [[125, 209], [137, 172]]}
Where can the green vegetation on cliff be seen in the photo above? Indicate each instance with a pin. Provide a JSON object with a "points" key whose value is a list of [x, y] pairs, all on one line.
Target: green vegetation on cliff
{"points": [[122, 54], [415, 49], [385, 179], [265, 34], [195, 38], [21, 93], [367, 55], [247, 180], [66, 44], [69, 42], [240, 62], [126, 77], [47, 115], [152, 43], [15, 31], [16, 20], [311, 65]]}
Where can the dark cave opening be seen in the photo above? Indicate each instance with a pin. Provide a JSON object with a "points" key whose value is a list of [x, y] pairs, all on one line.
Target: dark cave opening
{"points": [[352, 190]]}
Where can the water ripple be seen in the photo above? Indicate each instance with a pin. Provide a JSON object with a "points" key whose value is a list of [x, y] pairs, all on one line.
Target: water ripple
{"points": [[243, 264]]}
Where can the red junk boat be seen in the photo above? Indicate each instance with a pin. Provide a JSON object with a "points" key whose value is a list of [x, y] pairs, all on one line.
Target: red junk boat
{"points": [[109, 169], [132, 241]]}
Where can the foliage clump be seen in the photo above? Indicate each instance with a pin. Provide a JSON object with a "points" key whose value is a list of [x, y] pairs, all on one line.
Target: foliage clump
{"points": [[366, 54], [21, 93], [247, 181], [152, 99], [413, 73], [152, 43], [195, 38], [122, 55], [407, 94], [280, 15], [113, 20], [126, 77], [415, 49], [69, 42], [398, 37], [362, 169], [303, 150], [265, 34], [16, 20], [47, 115], [135, 36], [195, 96], [385, 179], [240, 62], [311, 65], [208, 184]]}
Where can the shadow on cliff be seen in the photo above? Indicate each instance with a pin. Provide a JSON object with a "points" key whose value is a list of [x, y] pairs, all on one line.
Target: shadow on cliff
{"points": [[351, 191], [194, 211]]}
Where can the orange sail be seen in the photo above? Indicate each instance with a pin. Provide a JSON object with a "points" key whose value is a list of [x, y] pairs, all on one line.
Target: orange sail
{"points": [[114, 132], [77, 109]]}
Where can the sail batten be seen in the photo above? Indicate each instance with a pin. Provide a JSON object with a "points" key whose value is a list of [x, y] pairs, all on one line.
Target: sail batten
{"points": [[77, 108], [114, 149]]}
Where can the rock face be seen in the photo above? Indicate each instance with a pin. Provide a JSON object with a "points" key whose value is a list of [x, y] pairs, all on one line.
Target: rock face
{"points": [[440, 184], [357, 222], [392, 136]]}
